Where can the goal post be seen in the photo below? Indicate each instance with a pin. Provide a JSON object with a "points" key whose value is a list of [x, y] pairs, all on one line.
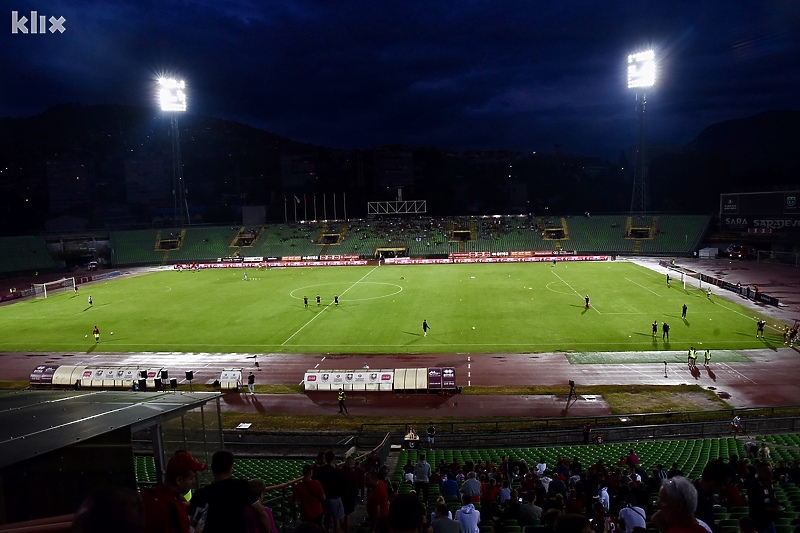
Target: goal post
{"points": [[43, 290]]}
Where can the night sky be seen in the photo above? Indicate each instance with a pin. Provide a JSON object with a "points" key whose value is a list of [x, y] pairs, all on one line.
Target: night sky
{"points": [[522, 75]]}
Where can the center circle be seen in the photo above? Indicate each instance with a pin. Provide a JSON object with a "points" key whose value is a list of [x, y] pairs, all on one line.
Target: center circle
{"points": [[294, 293]]}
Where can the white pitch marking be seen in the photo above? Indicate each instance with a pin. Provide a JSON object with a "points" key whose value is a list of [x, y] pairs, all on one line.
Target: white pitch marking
{"points": [[326, 307], [645, 288]]}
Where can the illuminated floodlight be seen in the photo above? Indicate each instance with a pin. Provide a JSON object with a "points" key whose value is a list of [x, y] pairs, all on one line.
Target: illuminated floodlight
{"points": [[172, 94], [641, 69]]}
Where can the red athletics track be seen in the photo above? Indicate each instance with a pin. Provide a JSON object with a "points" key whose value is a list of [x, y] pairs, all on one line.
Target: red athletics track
{"points": [[768, 379]]}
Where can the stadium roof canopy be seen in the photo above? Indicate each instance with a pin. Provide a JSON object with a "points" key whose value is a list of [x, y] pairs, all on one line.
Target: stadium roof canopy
{"points": [[33, 423]]}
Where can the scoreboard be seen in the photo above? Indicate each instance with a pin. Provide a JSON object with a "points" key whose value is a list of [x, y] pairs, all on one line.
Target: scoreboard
{"points": [[760, 212]]}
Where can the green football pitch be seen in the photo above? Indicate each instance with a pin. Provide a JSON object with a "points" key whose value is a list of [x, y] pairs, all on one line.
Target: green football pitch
{"points": [[471, 308]]}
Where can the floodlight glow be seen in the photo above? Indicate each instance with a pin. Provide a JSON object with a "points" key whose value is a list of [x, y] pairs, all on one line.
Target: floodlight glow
{"points": [[171, 94], [641, 69]]}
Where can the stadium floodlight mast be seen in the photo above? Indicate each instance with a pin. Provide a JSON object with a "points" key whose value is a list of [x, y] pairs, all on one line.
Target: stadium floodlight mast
{"points": [[172, 98], [641, 76]]}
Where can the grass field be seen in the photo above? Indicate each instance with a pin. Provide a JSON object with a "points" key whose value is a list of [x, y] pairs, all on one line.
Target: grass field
{"points": [[476, 308]]}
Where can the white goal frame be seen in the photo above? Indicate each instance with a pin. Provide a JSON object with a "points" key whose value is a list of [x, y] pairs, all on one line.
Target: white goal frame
{"points": [[42, 290]]}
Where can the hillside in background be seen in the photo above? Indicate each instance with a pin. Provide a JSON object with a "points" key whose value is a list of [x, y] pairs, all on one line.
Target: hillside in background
{"points": [[112, 165]]}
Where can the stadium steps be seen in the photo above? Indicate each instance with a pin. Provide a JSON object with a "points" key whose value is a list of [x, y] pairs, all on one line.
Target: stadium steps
{"points": [[637, 246], [565, 228]]}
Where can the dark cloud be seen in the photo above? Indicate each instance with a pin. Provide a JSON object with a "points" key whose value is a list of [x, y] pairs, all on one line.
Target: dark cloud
{"points": [[513, 74]]}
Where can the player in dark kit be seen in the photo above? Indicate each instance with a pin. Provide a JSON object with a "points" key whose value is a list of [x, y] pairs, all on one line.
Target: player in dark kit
{"points": [[305, 301], [336, 300], [667, 280], [665, 331], [425, 328], [760, 325], [587, 301], [683, 311], [655, 327], [318, 300]]}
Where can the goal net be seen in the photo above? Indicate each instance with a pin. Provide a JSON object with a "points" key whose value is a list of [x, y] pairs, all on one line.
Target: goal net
{"points": [[43, 290]]}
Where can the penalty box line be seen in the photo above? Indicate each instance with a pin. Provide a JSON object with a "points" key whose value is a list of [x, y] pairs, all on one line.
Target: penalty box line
{"points": [[573, 290]]}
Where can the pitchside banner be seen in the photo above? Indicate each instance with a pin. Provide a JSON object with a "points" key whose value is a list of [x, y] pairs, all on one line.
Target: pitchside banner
{"points": [[441, 378], [43, 374]]}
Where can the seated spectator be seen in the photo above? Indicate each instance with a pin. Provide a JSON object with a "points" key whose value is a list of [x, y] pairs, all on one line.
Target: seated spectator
{"points": [[442, 521], [440, 501]]}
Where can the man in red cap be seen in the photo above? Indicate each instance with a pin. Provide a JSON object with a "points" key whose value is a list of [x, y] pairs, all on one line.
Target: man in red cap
{"points": [[165, 508]]}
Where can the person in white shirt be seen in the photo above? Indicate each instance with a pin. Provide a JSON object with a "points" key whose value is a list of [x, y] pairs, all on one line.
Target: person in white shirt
{"points": [[632, 515]]}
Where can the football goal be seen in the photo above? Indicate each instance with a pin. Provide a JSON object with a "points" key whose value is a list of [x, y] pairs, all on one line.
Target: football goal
{"points": [[43, 290]]}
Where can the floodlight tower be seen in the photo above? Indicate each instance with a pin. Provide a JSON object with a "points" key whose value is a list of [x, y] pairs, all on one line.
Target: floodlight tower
{"points": [[172, 96], [641, 75]]}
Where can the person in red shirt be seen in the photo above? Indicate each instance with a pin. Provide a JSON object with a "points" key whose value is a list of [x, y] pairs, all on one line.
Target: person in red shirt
{"points": [[309, 495], [165, 508], [378, 499]]}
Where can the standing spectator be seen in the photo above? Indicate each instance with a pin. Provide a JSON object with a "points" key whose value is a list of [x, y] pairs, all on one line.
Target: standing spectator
{"points": [[541, 466], [431, 435], [471, 488], [468, 515], [736, 426], [333, 484], [378, 498], [251, 384], [251, 518], [226, 499], [587, 430], [309, 495], [422, 472], [632, 459], [349, 490], [631, 515], [164, 505], [449, 485], [678, 500], [406, 514]]}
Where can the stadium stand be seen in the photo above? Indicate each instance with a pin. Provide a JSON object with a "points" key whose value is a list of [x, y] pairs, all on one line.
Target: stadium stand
{"points": [[419, 237], [27, 253]]}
